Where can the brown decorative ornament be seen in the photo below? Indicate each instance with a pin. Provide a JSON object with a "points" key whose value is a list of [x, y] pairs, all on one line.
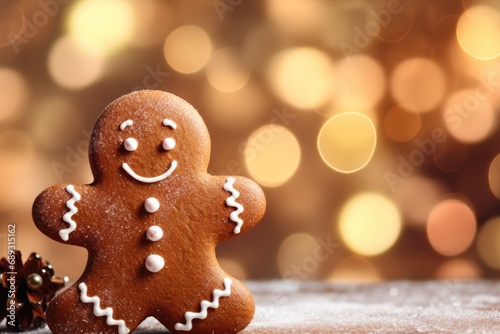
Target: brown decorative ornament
{"points": [[26, 289]]}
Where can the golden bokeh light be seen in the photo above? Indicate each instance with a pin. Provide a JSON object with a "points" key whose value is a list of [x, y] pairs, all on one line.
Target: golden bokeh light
{"points": [[13, 93], [451, 227], [402, 123], [347, 141], [107, 26], [354, 269], [298, 17], [332, 110], [469, 117], [74, 65], [360, 83], [466, 4], [488, 243], [458, 269], [226, 70], [369, 223], [302, 77], [272, 155], [482, 69], [419, 83], [297, 251], [494, 176], [187, 49], [478, 32]]}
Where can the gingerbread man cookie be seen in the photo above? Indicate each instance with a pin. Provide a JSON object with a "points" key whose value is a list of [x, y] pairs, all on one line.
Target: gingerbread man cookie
{"points": [[150, 221]]}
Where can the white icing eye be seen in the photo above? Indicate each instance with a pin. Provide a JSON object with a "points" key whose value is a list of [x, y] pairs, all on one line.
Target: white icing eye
{"points": [[130, 144], [168, 143]]}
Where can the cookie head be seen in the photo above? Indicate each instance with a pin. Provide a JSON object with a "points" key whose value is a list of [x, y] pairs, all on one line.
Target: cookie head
{"points": [[147, 137]]}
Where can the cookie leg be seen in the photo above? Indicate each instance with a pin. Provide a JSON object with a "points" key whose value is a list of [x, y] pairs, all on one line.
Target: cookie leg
{"points": [[67, 313], [232, 315]]}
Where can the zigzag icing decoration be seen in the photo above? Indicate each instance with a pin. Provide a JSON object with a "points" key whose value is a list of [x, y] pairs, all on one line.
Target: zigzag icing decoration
{"points": [[231, 201], [205, 304], [99, 312], [70, 204]]}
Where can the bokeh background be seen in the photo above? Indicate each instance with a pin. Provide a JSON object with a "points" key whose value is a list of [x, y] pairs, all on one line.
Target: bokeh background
{"points": [[372, 126]]}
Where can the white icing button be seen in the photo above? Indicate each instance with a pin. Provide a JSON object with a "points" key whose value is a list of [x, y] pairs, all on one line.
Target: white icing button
{"points": [[154, 233], [130, 144], [154, 263], [151, 205]]}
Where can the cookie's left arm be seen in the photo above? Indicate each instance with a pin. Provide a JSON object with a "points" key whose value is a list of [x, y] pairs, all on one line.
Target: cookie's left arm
{"points": [[244, 204]]}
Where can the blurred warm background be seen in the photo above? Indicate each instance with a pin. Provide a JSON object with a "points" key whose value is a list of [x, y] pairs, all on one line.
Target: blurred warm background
{"points": [[372, 125]]}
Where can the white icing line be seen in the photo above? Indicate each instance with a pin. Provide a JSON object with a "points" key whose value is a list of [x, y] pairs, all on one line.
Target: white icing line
{"points": [[170, 123], [231, 201], [153, 179], [128, 122], [70, 204], [99, 312], [205, 304]]}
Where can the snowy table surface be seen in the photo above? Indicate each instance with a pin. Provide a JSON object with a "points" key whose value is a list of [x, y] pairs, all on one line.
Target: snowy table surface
{"points": [[391, 307]]}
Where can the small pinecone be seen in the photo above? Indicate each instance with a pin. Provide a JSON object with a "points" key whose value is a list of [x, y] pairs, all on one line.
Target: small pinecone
{"points": [[26, 289]]}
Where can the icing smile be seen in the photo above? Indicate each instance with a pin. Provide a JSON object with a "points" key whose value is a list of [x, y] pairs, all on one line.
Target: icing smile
{"points": [[153, 179], [130, 144]]}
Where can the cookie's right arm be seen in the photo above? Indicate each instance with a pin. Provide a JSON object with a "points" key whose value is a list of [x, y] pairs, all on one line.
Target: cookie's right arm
{"points": [[55, 212]]}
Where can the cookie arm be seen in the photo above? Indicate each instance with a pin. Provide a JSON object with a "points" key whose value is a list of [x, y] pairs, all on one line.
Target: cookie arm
{"points": [[55, 212], [245, 204]]}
